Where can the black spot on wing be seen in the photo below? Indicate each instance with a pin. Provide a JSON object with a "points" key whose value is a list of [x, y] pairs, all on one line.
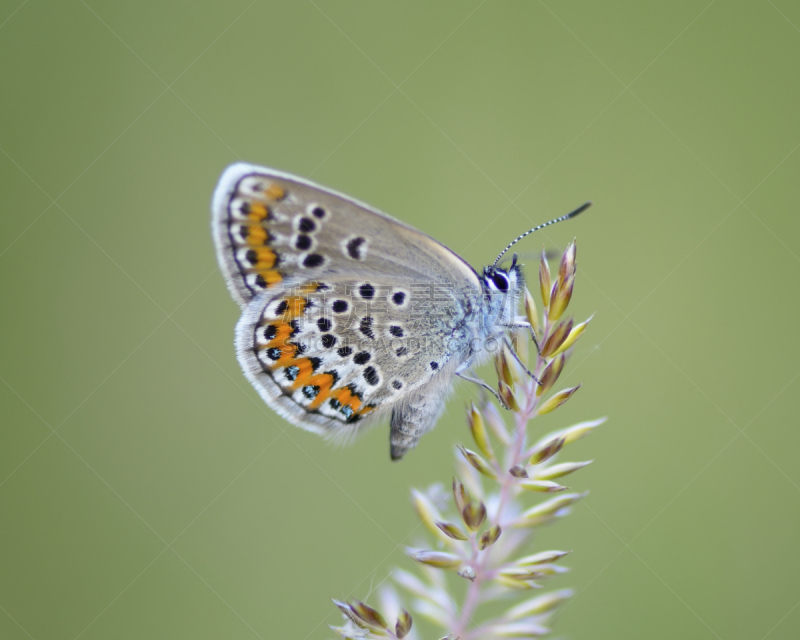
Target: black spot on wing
{"points": [[371, 376], [306, 225], [365, 327], [328, 340], [310, 391], [367, 291], [313, 260], [355, 248]]}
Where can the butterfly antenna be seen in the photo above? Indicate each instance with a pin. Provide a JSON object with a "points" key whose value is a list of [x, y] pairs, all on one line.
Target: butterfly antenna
{"points": [[571, 214]]}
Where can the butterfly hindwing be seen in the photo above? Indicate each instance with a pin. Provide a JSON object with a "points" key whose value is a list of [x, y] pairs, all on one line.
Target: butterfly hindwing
{"points": [[332, 352]]}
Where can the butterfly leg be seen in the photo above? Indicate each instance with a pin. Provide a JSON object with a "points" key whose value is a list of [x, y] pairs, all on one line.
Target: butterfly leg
{"points": [[521, 323], [484, 384]]}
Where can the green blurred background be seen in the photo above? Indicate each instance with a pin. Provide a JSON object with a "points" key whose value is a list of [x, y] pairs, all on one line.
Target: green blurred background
{"points": [[146, 490]]}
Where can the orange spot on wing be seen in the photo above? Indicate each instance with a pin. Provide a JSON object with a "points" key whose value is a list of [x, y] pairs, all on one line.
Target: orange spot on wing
{"points": [[275, 192], [257, 235], [324, 381], [271, 277], [304, 365], [288, 352], [257, 212], [346, 397], [265, 259], [295, 307], [311, 287]]}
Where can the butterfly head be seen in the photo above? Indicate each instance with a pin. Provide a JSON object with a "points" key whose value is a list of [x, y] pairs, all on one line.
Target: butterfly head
{"points": [[503, 287], [506, 285], [502, 281]]}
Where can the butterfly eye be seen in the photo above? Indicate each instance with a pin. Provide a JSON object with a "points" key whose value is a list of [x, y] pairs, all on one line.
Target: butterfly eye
{"points": [[500, 281]]}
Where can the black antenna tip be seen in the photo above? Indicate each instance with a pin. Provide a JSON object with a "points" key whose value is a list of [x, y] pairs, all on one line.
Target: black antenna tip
{"points": [[580, 209], [577, 211]]}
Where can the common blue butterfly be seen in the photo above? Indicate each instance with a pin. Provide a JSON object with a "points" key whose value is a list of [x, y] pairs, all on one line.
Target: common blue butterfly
{"points": [[349, 315]]}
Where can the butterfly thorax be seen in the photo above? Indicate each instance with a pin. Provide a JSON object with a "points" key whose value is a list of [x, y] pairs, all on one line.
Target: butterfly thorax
{"points": [[489, 315]]}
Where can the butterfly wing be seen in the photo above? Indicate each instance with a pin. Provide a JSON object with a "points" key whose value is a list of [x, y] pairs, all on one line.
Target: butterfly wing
{"points": [[347, 313], [273, 230], [325, 357]]}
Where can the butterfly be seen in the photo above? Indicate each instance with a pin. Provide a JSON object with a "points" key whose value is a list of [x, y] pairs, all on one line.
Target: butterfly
{"points": [[348, 315]]}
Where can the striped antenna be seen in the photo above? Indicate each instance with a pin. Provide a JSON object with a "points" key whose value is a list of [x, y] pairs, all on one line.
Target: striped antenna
{"points": [[571, 214]]}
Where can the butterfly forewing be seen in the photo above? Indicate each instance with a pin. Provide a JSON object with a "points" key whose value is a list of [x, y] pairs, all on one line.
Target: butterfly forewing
{"points": [[273, 230]]}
